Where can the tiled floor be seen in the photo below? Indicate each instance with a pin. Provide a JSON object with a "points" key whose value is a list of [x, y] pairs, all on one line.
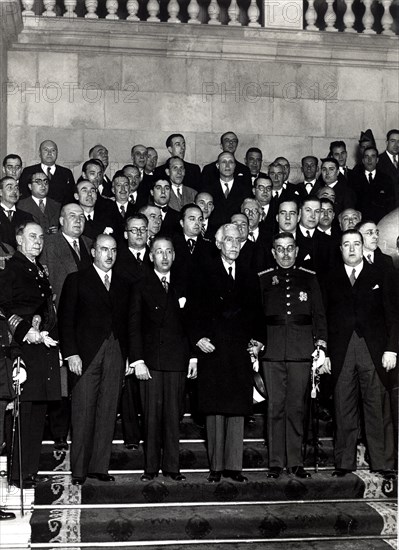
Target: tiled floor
{"points": [[14, 533]]}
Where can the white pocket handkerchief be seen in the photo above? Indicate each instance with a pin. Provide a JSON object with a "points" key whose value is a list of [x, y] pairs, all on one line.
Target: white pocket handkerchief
{"points": [[182, 302], [375, 287]]}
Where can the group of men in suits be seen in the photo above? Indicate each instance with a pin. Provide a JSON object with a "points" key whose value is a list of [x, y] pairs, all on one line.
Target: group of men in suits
{"points": [[123, 256]]}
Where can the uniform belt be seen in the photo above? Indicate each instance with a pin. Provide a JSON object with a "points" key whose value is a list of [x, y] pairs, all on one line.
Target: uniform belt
{"points": [[288, 319]]}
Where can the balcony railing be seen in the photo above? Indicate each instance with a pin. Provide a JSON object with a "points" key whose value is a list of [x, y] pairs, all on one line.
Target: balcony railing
{"points": [[368, 17]]}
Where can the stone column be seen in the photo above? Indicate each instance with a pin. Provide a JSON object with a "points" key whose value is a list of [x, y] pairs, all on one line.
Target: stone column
{"points": [[10, 26]]}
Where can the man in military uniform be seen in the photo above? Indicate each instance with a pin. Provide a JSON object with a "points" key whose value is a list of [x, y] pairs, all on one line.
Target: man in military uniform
{"points": [[26, 299], [296, 325]]}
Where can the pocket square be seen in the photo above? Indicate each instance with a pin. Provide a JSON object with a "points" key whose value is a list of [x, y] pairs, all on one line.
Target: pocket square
{"points": [[182, 302], [375, 287], [307, 257]]}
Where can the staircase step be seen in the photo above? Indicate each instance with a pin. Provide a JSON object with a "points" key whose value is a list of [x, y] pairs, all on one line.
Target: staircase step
{"points": [[181, 522], [193, 455], [128, 488]]}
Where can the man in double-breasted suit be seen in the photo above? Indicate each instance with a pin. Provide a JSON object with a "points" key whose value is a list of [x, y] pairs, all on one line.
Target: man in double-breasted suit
{"points": [[26, 299], [176, 145], [44, 211], [388, 162], [363, 330], [10, 216], [224, 316], [93, 337], [160, 353]]}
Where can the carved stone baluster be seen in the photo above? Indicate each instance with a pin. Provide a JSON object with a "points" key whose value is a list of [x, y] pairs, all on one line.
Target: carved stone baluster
{"points": [[153, 10], [70, 6], [330, 17], [173, 11], [28, 5], [132, 9], [253, 14], [387, 18], [193, 10], [368, 18], [91, 6], [234, 11], [49, 5], [213, 12], [349, 17], [112, 8], [311, 17]]}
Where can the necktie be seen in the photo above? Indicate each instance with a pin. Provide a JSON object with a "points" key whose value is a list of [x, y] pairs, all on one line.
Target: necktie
{"points": [[250, 237], [191, 245], [106, 281], [180, 196], [9, 214], [140, 261], [122, 211], [165, 284], [131, 199], [231, 278], [276, 194], [49, 174], [89, 217], [76, 248], [164, 209], [395, 160], [370, 177], [309, 187], [308, 235], [226, 191], [352, 277], [203, 230], [370, 261], [41, 205]]}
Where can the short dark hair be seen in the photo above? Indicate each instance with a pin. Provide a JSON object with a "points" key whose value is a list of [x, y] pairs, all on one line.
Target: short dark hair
{"points": [[359, 225], [283, 235], [352, 232], [289, 199], [309, 157], [11, 156], [253, 150], [393, 131], [225, 134], [119, 174], [161, 237], [163, 177], [330, 159], [309, 198], [5, 178], [128, 166], [186, 207], [96, 162], [338, 143], [172, 136], [170, 160], [20, 228], [327, 200], [368, 149], [265, 177]]}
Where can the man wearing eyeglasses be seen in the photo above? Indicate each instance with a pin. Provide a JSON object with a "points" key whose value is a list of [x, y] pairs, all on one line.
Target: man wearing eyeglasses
{"points": [[371, 251], [295, 326], [44, 211]]}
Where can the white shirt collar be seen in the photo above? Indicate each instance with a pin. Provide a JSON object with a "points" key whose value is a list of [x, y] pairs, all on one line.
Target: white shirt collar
{"points": [[36, 200], [226, 265], [70, 239], [326, 232], [7, 208], [372, 173], [102, 273], [303, 230], [358, 268], [45, 168], [162, 275]]}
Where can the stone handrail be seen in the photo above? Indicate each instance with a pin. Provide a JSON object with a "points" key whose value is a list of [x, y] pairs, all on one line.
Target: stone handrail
{"points": [[368, 17]]}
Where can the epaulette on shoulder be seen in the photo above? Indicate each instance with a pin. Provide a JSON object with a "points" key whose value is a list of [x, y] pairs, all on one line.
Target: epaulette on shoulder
{"points": [[265, 271], [307, 270]]}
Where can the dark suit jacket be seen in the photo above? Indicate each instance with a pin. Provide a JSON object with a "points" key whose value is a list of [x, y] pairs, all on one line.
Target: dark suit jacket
{"points": [[171, 222], [303, 191], [88, 314], [315, 253], [8, 228], [210, 173], [344, 196], [188, 195], [100, 219], [61, 187], [61, 260], [117, 221], [186, 263], [383, 261], [157, 330], [225, 208], [373, 200], [48, 218], [388, 168], [367, 308], [192, 177], [229, 317], [128, 267]]}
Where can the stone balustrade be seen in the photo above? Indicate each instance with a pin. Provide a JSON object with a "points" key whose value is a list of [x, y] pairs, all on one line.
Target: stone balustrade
{"points": [[368, 17]]}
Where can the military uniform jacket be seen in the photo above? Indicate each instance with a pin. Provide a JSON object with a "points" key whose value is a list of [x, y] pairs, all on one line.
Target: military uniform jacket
{"points": [[294, 312], [25, 291]]}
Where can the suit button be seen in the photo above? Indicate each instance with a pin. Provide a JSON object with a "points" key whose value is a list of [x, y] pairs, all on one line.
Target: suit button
{"points": [[288, 313], [288, 287], [288, 295], [288, 303], [42, 295]]}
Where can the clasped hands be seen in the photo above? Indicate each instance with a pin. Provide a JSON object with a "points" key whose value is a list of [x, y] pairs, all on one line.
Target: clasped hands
{"points": [[34, 336]]}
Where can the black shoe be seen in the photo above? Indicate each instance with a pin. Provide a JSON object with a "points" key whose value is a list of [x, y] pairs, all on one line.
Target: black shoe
{"points": [[131, 446], [176, 476], [235, 476], [78, 480], [6, 515], [299, 471], [386, 474], [214, 476], [101, 477], [147, 476], [60, 444], [274, 472], [340, 472]]}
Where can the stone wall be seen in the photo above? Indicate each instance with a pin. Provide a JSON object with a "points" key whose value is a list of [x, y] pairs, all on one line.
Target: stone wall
{"points": [[83, 82]]}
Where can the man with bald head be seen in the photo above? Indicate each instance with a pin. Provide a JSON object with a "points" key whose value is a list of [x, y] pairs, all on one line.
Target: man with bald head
{"points": [[61, 181]]}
